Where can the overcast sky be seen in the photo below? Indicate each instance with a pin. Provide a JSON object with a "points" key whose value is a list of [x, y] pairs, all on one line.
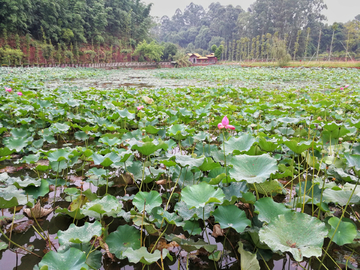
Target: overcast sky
{"points": [[338, 10]]}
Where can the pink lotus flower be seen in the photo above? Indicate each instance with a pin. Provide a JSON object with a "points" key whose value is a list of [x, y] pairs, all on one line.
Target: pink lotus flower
{"points": [[346, 86], [19, 93], [225, 124], [8, 90], [341, 88], [140, 107]]}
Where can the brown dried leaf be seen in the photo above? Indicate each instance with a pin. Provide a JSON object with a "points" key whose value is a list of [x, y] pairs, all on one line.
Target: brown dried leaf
{"points": [[37, 211], [162, 182], [147, 100], [217, 231]]}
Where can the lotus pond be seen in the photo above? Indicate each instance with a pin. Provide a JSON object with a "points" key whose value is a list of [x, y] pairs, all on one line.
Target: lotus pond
{"points": [[223, 168]]}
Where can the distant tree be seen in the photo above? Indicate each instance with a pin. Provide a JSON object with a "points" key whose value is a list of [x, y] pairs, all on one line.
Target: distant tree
{"points": [[219, 51], [296, 46], [152, 51], [215, 40], [334, 27], [213, 48], [307, 41], [280, 53], [170, 50], [190, 48]]}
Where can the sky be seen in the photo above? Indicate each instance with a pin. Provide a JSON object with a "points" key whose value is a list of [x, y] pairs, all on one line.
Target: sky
{"points": [[338, 10]]}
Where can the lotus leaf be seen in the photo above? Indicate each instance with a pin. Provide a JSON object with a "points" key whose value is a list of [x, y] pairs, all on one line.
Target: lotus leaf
{"points": [[269, 210], [149, 148], [240, 144], [231, 216], [79, 235], [194, 213], [197, 196], [297, 233], [342, 231], [123, 238], [340, 197], [298, 147], [72, 259], [189, 244], [11, 196], [248, 259], [253, 169], [149, 200], [143, 256], [108, 206]]}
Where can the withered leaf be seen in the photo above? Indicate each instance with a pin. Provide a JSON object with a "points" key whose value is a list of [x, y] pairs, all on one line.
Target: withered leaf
{"points": [[217, 231], [37, 211]]}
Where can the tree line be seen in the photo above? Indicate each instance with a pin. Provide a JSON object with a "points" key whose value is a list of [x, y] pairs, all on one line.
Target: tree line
{"points": [[260, 32], [56, 29]]}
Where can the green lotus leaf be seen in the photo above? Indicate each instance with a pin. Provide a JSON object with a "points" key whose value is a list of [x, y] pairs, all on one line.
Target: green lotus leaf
{"points": [[72, 259], [234, 191], [59, 155], [3, 245], [288, 120], [195, 213], [31, 159], [353, 161], [107, 206], [20, 132], [102, 160], [81, 135], [239, 144], [143, 256], [61, 127], [341, 175], [58, 166], [199, 195], [39, 191], [151, 130], [189, 161], [150, 200], [11, 196], [286, 131], [253, 169], [123, 238], [109, 142], [192, 227], [269, 210], [74, 214], [178, 132], [6, 152], [248, 260], [190, 245], [272, 187], [126, 114], [79, 235], [298, 147], [17, 143], [22, 183], [343, 233], [209, 164], [231, 216], [340, 197], [268, 145], [297, 233], [149, 148]]}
